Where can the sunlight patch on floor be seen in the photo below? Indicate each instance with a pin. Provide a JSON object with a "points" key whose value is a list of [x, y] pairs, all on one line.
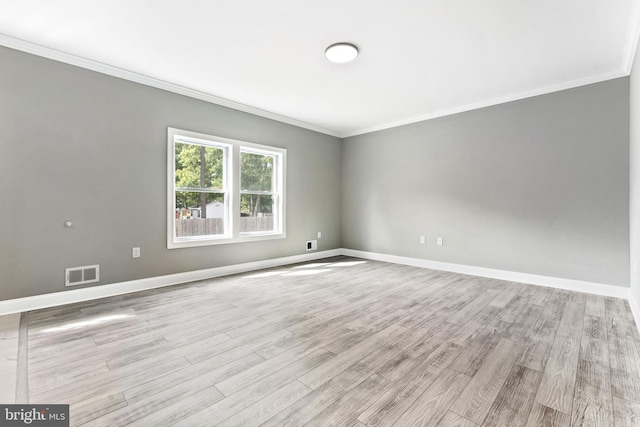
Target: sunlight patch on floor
{"points": [[267, 274], [307, 269], [346, 263], [91, 322], [314, 265], [307, 272]]}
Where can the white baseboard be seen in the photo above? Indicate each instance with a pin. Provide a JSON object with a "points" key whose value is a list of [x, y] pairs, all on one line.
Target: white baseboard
{"points": [[512, 276], [635, 309], [19, 305], [78, 295]]}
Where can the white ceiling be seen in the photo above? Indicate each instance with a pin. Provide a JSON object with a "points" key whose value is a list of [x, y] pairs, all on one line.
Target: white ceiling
{"points": [[418, 58]]}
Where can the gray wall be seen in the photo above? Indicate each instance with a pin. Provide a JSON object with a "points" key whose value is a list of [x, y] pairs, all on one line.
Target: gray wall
{"points": [[90, 148], [634, 177], [538, 186]]}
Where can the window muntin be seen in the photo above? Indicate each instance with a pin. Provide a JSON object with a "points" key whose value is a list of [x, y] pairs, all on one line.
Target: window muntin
{"points": [[210, 204]]}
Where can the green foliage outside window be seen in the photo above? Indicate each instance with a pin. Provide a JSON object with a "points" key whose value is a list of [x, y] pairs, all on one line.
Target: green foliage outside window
{"points": [[197, 167], [256, 176]]}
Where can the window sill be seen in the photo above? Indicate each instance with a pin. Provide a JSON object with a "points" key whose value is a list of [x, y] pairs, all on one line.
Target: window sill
{"points": [[244, 238]]}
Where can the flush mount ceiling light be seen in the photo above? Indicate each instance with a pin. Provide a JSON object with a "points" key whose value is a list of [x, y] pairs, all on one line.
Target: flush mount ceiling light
{"points": [[341, 52]]}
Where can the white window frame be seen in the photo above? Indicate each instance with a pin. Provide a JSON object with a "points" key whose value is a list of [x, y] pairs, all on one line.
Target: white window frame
{"points": [[231, 188]]}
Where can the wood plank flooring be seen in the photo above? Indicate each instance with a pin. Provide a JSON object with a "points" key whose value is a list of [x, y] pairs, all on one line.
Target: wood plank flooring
{"points": [[341, 342], [9, 345]]}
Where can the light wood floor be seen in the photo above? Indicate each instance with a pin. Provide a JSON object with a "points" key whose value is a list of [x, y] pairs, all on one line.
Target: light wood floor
{"points": [[342, 342], [9, 330]]}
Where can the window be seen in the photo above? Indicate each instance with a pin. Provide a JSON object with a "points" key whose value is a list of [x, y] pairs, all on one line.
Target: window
{"points": [[257, 191], [223, 191]]}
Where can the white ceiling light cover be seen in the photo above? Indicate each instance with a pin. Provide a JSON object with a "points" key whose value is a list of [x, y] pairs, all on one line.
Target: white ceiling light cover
{"points": [[341, 52], [423, 59]]}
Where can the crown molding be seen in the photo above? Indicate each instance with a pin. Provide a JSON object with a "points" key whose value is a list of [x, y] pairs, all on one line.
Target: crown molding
{"points": [[110, 70], [491, 102], [89, 64]]}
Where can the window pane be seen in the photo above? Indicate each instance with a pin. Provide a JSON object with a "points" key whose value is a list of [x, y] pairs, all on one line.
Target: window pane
{"points": [[256, 213], [198, 166], [193, 220], [256, 172]]}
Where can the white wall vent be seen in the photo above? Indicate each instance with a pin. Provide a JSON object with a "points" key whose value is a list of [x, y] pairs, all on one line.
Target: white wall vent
{"points": [[82, 275]]}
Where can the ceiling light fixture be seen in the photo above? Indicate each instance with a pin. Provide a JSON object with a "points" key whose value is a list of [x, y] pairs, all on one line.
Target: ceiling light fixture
{"points": [[341, 52]]}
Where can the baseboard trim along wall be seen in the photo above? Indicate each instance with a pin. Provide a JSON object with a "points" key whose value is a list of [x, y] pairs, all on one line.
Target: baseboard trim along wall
{"points": [[78, 295], [512, 276], [635, 309], [19, 305]]}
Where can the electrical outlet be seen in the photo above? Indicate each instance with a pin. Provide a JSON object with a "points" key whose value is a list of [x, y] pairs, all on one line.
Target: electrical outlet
{"points": [[312, 245], [319, 234], [439, 241], [423, 240], [135, 253]]}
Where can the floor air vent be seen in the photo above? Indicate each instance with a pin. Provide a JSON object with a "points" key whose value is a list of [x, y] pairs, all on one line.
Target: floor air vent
{"points": [[82, 275]]}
